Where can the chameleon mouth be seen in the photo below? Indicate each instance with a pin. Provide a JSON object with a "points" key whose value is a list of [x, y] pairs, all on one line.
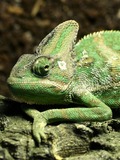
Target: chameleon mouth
{"points": [[58, 86], [32, 84], [33, 91]]}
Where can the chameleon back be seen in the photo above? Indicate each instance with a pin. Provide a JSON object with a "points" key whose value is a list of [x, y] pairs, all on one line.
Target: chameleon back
{"points": [[98, 65]]}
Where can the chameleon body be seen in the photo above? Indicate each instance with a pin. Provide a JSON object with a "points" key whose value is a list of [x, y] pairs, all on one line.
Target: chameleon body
{"points": [[62, 72]]}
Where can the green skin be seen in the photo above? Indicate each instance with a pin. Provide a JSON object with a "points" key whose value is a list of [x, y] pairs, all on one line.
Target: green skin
{"points": [[61, 72]]}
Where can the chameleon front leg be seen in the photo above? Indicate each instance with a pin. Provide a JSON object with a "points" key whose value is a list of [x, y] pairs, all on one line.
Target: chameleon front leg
{"points": [[39, 123], [96, 110]]}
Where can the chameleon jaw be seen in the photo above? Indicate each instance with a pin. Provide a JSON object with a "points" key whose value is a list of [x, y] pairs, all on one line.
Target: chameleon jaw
{"points": [[42, 91]]}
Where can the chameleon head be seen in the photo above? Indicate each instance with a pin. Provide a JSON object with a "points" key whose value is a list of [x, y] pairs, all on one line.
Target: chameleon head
{"points": [[39, 79], [43, 77]]}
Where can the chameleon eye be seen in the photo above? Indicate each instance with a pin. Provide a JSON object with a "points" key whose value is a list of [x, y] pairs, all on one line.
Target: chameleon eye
{"points": [[41, 66]]}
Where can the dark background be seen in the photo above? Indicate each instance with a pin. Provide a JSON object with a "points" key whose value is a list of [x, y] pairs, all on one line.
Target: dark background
{"points": [[24, 23]]}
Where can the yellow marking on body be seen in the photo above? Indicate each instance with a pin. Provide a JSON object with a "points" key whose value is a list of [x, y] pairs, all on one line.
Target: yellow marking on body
{"points": [[85, 60], [64, 114]]}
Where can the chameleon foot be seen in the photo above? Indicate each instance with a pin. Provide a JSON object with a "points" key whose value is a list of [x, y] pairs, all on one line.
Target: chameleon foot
{"points": [[39, 124]]}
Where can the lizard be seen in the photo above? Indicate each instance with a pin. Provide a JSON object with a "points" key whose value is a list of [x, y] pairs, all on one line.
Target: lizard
{"points": [[62, 71]]}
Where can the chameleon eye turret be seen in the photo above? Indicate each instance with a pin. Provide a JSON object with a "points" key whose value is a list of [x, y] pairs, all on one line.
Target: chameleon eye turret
{"points": [[41, 66]]}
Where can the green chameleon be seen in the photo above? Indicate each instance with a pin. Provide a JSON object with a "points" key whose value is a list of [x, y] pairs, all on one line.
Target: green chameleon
{"points": [[61, 72]]}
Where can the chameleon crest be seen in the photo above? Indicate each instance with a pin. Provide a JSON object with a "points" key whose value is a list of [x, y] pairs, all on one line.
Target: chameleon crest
{"points": [[61, 71]]}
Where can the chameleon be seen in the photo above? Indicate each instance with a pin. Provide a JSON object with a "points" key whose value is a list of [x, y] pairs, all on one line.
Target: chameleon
{"points": [[63, 72]]}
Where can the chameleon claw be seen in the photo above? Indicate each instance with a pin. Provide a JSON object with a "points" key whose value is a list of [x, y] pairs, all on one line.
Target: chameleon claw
{"points": [[37, 137]]}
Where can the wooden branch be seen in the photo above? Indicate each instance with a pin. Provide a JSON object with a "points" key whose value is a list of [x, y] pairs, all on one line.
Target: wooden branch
{"points": [[65, 141]]}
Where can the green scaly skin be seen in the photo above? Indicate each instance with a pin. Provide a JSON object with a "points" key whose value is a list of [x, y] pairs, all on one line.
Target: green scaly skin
{"points": [[61, 72]]}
